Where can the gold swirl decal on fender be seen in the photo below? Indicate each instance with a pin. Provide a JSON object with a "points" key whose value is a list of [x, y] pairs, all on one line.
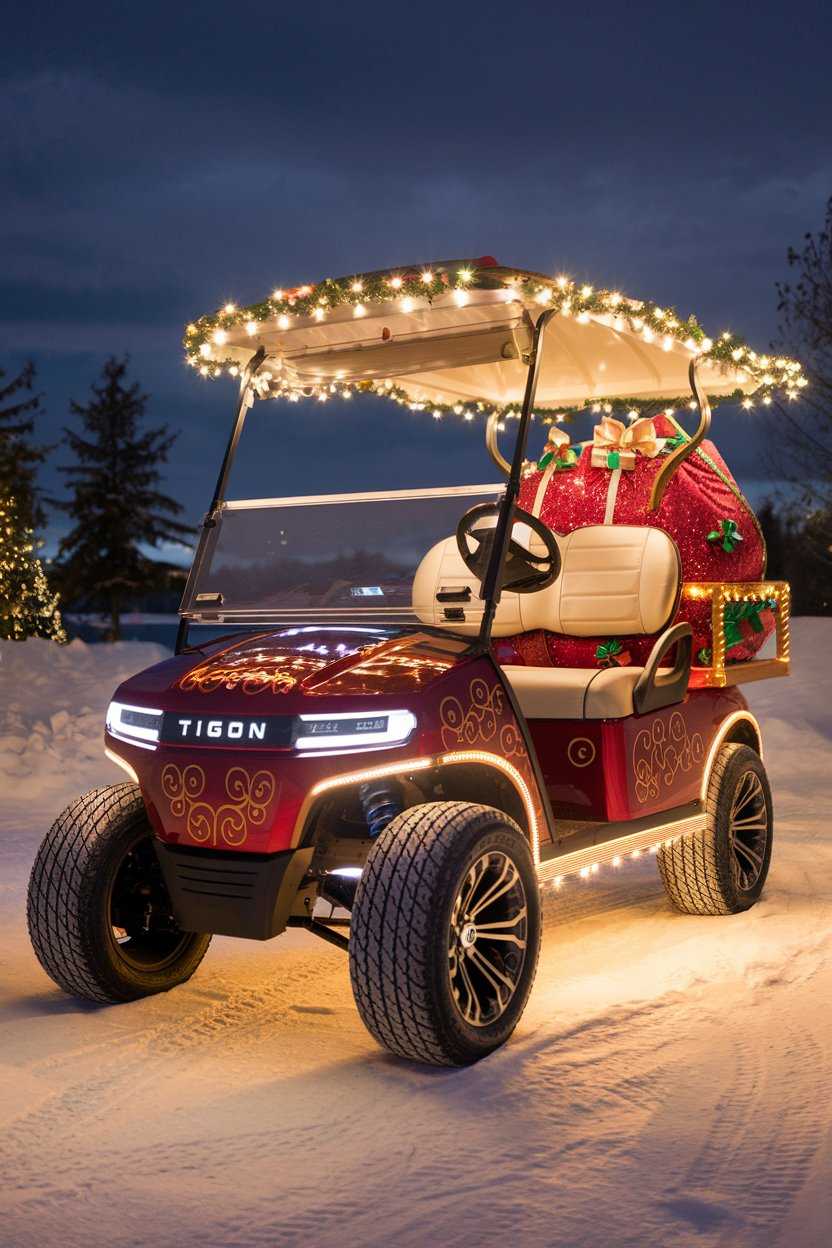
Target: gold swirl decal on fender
{"points": [[661, 752], [249, 798], [479, 722]]}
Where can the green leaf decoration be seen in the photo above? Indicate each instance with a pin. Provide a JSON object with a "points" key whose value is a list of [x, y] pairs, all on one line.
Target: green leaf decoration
{"points": [[727, 535]]}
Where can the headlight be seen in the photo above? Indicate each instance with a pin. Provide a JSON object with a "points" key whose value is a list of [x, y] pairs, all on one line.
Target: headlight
{"points": [[340, 732], [138, 725]]}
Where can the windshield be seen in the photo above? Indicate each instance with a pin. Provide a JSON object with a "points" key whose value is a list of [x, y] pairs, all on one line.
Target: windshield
{"points": [[326, 557], [340, 555]]}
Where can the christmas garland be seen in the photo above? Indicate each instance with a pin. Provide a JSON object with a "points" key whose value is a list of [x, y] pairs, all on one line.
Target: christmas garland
{"points": [[205, 338]]}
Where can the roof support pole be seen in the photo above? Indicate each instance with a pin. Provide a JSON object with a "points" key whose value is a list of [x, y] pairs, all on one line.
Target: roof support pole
{"points": [[243, 405], [492, 582], [209, 523]]}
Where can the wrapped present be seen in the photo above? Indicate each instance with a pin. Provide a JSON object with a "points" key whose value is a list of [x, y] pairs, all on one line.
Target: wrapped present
{"points": [[616, 445], [702, 509], [558, 451]]}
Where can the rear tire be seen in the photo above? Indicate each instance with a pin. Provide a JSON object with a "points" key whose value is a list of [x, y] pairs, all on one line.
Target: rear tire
{"points": [[722, 869], [445, 933], [99, 914]]}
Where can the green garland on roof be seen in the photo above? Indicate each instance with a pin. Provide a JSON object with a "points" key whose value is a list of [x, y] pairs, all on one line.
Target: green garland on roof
{"points": [[205, 338]]}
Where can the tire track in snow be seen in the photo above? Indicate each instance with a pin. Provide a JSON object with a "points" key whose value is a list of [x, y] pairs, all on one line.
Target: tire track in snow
{"points": [[756, 1156]]}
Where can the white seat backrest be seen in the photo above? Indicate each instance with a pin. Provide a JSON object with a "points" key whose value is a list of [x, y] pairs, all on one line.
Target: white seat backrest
{"points": [[615, 580]]}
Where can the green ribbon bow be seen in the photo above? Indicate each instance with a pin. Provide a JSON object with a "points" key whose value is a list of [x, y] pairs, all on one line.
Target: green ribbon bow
{"points": [[728, 535], [672, 444], [607, 650], [568, 460]]}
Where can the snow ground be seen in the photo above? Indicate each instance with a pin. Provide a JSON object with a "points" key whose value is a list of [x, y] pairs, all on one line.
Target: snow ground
{"points": [[668, 1084]]}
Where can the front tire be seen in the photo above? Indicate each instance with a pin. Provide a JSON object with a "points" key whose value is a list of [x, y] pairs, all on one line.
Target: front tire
{"points": [[445, 933], [99, 915], [722, 868]]}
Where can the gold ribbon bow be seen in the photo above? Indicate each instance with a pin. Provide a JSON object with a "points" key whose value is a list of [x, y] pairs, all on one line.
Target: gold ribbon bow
{"points": [[615, 445], [558, 443]]}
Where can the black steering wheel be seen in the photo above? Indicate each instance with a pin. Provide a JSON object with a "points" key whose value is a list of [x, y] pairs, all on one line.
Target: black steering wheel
{"points": [[523, 572]]}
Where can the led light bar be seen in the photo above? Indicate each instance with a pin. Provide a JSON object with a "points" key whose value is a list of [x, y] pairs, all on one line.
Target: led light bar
{"points": [[350, 731], [137, 725]]}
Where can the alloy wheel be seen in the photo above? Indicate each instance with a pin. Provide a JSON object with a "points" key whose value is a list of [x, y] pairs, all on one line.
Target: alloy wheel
{"points": [[748, 830], [487, 939]]}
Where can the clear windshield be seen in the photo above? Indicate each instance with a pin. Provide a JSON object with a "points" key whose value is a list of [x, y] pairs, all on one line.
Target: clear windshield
{"points": [[327, 558], [339, 555]]}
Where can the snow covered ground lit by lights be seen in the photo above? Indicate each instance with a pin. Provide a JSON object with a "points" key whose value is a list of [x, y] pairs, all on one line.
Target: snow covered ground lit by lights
{"points": [[668, 1084]]}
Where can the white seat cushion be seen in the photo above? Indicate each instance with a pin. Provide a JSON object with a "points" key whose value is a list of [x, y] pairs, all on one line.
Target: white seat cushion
{"points": [[574, 692], [616, 581]]}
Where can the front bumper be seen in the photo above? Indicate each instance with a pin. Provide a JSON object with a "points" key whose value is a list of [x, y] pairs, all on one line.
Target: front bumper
{"points": [[232, 894]]}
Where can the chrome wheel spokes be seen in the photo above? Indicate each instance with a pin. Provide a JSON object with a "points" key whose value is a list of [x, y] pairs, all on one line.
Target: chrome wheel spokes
{"points": [[748, 830], [487, 939]]}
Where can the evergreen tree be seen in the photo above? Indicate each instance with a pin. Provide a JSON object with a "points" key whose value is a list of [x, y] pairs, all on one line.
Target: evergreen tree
{"points": [[116, 504], [774, 532], [19, 457], [27, 606]]}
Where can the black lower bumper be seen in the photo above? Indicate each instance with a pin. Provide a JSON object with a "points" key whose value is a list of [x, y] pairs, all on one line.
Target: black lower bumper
{"points": [[232, 894]]}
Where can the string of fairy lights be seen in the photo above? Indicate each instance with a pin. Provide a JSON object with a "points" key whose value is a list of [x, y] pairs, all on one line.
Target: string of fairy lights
{"points": [[207, 339], [30, 608]]}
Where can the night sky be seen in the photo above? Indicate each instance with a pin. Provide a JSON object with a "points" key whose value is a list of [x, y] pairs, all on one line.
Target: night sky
{"points": [[159, 160]]}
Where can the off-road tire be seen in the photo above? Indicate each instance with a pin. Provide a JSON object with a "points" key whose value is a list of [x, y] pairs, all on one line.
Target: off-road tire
{"points": [[400, 927], [68, 909], [699, 870]]}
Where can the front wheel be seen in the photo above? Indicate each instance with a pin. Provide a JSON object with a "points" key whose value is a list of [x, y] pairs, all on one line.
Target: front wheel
{"points": [[445, 933], [99, 914], [722, 868]]}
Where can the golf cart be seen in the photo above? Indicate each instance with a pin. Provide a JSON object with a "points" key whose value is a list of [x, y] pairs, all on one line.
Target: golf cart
{"points": [[395, 715]]}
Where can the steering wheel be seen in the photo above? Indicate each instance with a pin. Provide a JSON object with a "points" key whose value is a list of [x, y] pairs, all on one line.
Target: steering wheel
{"points": [[523, 572]]}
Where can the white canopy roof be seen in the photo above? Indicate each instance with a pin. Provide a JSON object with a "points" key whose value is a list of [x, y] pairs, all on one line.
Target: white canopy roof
{"points": [[467, 343]]}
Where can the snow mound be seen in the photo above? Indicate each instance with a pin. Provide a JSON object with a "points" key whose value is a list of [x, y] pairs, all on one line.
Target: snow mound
{"points": [[53, 700]]}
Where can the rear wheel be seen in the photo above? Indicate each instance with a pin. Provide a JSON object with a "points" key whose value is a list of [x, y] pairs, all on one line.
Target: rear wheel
{"points": [[722, 868], [445, 933], [100, 918]]}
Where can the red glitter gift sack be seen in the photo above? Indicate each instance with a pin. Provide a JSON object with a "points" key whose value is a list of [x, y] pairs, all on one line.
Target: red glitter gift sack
{"points": [[702, 510]]}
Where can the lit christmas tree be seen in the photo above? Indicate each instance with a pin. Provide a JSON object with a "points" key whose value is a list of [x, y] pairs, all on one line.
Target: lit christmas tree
{"points": [[28, 608]]}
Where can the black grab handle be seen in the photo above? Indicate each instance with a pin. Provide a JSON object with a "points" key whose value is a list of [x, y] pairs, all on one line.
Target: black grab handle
{"points": [[653, 689]]}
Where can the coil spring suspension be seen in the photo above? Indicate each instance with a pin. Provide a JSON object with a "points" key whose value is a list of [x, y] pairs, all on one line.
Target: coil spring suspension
{"points": [[381, 801]]}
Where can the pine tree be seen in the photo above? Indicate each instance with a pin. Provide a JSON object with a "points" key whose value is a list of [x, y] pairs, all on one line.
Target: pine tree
{"points": [[19, 457], [28, 608], [116, 504]]}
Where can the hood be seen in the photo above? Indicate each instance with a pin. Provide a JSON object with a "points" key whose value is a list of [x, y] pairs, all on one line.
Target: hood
{"points": [[281, 668]]}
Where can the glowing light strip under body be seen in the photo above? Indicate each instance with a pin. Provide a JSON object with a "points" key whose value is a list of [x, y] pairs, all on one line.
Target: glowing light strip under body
{"points": [[587, 861]]}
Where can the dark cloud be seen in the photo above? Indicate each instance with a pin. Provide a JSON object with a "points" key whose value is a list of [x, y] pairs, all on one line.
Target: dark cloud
{"points": [[160, 159]]}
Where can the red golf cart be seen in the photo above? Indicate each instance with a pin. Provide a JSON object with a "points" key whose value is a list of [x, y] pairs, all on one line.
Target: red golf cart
{"points": [[393, 716]]}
